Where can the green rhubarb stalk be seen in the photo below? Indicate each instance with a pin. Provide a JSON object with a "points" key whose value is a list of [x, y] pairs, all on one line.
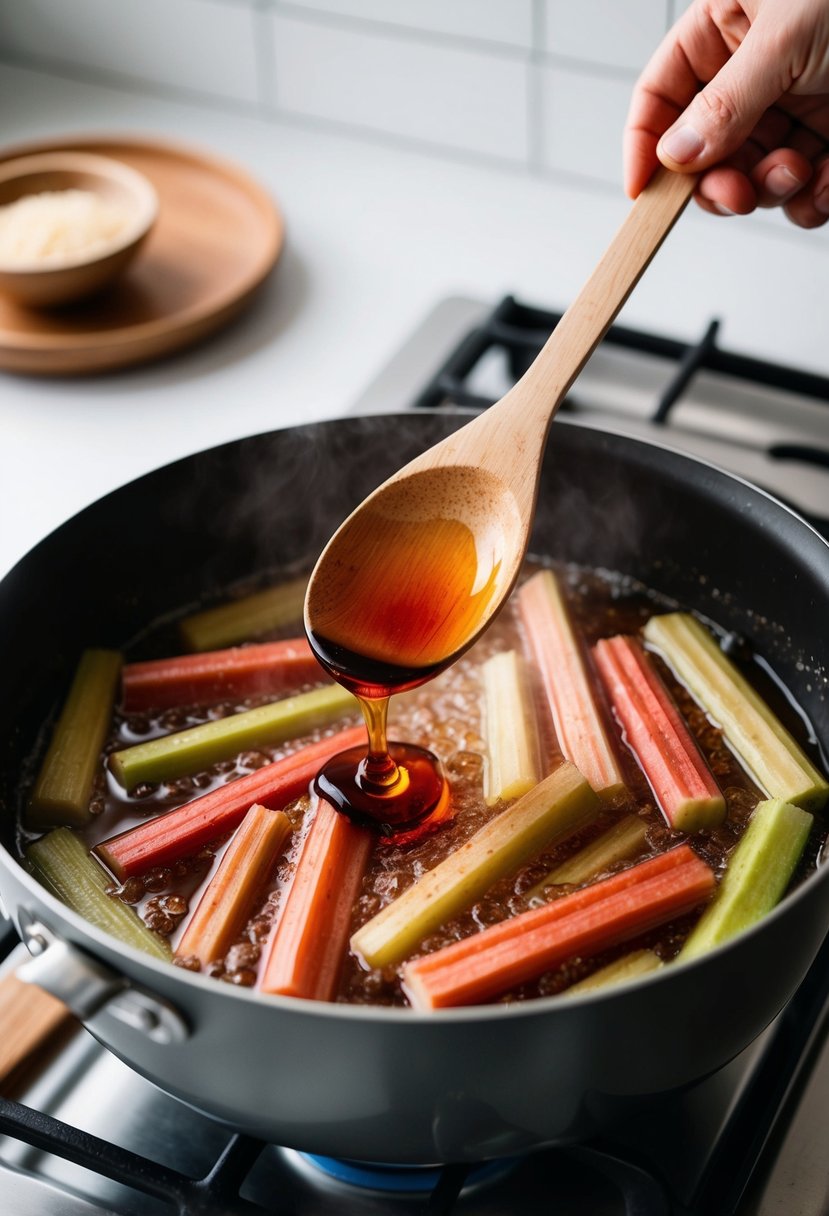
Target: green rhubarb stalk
{"points": [[246, 618], [560, 804], [630, 967], [60, 861], [758, 872], [190, 751], [509, 729], [760, 741], [625, 839], [63, 789]]}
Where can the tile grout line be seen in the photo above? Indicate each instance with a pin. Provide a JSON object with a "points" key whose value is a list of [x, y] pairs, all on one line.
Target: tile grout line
{"points": [[535, 97], [409, 33], [263, 49]]}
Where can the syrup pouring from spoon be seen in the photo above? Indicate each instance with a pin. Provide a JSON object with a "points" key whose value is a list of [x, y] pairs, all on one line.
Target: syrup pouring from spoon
{"points": [[418, 571]]}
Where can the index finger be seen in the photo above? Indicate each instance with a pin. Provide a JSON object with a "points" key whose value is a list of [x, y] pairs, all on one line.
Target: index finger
{"points": [[691, 54]]}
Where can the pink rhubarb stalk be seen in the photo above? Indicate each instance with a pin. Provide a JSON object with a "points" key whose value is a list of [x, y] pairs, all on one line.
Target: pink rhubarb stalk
{"points": [[578, 721], [656, 733]]}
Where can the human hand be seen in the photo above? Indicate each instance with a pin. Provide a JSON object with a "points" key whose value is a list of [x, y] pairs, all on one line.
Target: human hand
{"points": [[739, 89]]}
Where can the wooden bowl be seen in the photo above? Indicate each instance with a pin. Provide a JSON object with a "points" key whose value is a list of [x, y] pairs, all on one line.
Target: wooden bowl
{"points": [[62, 278]]}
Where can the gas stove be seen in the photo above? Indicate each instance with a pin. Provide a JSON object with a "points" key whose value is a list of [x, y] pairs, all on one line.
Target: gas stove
{"points": [[764, 422], [84, 1135]]}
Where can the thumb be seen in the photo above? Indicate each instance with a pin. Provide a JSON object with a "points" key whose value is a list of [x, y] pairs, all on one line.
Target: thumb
{"points": [[726, 111]]}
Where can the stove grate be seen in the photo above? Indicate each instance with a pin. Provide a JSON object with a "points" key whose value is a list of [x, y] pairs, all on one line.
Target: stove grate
{"points": [[215, 1194], [521, 331], [207, 1196]]}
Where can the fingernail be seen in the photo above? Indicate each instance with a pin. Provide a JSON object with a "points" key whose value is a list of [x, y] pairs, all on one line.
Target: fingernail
{"points": [[781, 182], [822, 200], [720, 210], [683, 144]]}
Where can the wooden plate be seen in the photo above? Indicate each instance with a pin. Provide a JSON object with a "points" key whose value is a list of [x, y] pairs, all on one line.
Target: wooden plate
{"points": [[217, 237]]}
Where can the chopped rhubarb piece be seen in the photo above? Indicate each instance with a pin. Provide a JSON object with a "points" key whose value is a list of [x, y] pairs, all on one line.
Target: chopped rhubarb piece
{"points": [[758, 872], [63, 788], [593, 919], [190, 751], [61, 862], [244, 619], [230, 895], [219, 675], [629, 967], [752, 730], [577, 719], [681, 781], [560, 804], [215, 815], [309, 944], [511, 742], [624, 840]]}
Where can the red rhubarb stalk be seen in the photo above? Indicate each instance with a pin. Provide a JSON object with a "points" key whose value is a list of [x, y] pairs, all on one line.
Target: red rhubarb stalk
{"points": [[230, 895], [219, 675], [215, 815], [588, 921], [578, 721], [309, 943], [656, 733]]}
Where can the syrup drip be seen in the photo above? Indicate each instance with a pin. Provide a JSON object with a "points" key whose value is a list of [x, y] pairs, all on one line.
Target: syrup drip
{"points": [[395, 787], [406, 602]]}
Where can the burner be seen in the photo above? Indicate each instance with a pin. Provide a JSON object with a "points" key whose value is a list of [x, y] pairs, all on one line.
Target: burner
{"points": [[407, 1179]]}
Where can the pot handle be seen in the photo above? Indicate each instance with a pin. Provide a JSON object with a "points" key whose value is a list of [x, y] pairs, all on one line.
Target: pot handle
{"points": [[91, 990]]}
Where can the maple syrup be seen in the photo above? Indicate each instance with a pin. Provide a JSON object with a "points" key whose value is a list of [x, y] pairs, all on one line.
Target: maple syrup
{"points": [[406, 599]]}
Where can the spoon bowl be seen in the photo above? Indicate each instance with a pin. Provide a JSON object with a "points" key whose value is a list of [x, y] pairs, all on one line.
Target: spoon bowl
{"points": [[412, 576], [420, 569]]}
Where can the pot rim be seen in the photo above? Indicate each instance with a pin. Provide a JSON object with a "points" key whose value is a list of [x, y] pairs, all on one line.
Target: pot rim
{"points": [[537, 1006]]}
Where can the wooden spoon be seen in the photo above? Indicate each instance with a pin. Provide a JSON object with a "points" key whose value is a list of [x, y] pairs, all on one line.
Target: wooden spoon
{"points": [[420, 568]]}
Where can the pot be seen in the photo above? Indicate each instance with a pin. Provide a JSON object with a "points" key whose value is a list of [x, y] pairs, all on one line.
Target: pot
{"points": [[391, 1085]]}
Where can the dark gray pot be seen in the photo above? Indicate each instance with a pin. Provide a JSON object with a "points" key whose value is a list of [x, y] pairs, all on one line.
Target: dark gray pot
{"points": [[389, 1085]]}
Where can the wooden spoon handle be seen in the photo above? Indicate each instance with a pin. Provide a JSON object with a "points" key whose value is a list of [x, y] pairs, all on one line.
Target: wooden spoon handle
{"points": [[588, 318], [31, 1022], [508, 439]]}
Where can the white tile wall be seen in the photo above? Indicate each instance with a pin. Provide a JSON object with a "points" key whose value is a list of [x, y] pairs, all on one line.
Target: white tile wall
{"points": [[202, 45], [456, 97], [617, 33], [537, 83], [506, 21], [583, 120]]}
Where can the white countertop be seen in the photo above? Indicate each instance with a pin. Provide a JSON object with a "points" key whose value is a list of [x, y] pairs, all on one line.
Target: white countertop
{"points": [[376, 236]]}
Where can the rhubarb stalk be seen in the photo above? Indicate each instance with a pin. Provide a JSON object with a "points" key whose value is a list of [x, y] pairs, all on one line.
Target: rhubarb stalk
{"points": [[590, 920], [557, 806], [60, 861], [195, 749], [758, 872], [230, 895], [243, 619], [309, 943], [63, 788], [511, 767], [753, 732], [219, 675], [625, 839], [630, 967], [213, 816], [681, 781], [578, 722]]}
